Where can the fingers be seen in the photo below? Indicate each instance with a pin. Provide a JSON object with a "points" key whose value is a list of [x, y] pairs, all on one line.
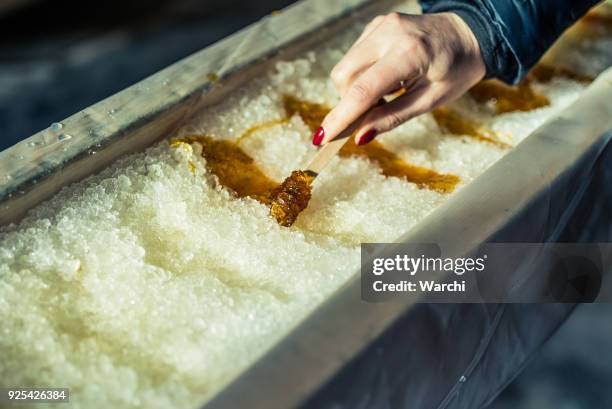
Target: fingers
{"points": [[354, 63], [435, 58], [369, 28], [356, 60], [363, 93], [419, 99]]}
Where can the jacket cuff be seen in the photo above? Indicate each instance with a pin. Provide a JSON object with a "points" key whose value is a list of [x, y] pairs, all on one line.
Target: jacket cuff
{"points": [[495, 53]]}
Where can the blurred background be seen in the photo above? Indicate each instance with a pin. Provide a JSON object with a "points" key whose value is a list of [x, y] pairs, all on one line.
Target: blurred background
{"points": [[60, 56]]}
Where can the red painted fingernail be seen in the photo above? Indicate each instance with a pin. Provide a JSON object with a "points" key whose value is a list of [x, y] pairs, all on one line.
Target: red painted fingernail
{"points": [[318, 136], [367, 137]]}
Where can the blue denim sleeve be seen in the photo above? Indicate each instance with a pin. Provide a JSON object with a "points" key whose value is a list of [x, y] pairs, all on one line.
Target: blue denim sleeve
{"points": [[513, 34]]}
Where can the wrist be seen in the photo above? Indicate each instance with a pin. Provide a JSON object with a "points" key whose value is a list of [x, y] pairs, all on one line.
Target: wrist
{"points": [[468, 53]]}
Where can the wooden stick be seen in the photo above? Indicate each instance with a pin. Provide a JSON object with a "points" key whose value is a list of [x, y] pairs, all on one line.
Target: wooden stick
{"points": [[331, 148]]}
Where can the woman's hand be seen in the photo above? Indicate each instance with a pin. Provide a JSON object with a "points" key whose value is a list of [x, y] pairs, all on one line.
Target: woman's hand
{"points": [[435, 57]]}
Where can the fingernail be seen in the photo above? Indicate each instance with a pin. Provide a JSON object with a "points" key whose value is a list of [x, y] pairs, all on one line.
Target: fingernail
{"points": [[367, 137], [318, 136]]}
